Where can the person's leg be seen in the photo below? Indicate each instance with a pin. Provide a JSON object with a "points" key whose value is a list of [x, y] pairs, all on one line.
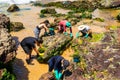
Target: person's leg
{"points": [[28, 52]]}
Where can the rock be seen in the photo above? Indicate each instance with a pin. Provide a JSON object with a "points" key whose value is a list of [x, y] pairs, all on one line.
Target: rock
{"points": [[47, 76], [13, 8], [110, 3], [4, 22], [103, 57], [16, 26], [54, 45], [48, 11], [7, 45], [76, 75]]}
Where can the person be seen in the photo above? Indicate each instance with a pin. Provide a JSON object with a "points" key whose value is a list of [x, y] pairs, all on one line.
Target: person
{"points": [[63, 25], [28, 44], [85, 30], [59, 64], [44, 25]]}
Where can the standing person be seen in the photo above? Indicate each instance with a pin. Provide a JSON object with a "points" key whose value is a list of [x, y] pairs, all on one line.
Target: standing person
{"points": [[63, 25], [28, 44], [58, 63], [44, 25], [85, 30]]}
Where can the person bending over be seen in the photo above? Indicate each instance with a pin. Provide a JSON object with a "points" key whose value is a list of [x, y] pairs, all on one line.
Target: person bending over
{"points": [[58, 64], [28, 44]]}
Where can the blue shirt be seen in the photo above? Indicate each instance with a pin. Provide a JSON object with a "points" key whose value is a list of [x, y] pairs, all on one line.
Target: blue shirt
{"points": [[56, 61]]}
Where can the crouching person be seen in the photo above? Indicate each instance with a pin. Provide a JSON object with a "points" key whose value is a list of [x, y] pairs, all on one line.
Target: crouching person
{"points": [[28, 44], [85, 30], [58, 64]]}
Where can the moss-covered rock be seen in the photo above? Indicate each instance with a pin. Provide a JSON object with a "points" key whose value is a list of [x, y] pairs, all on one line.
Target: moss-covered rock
{"points": [[13, 8], [48, 11], [16, 26], [100, 57], [54, 45]]}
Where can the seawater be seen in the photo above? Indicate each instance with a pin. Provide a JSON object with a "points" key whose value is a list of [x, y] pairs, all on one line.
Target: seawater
{"points": [[15, 1]]}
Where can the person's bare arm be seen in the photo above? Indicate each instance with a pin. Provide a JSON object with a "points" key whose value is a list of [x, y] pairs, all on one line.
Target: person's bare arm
{"points": [[37, 52], [45, 27]]}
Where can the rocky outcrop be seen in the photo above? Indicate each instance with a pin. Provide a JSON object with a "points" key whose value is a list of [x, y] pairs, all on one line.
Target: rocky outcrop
{"points": [[110, 3], [7, 48], [13, 8], [102, 57], [4, 22], [7, 45], [48, 11], [54, 45]]}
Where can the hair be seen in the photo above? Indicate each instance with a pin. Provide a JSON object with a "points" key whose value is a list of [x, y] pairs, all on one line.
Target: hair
{"points": [[65, 63], [40, 40], [46, 22]]}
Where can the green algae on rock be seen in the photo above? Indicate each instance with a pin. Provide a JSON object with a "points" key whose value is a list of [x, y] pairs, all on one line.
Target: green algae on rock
{"points": [[54, 45]]}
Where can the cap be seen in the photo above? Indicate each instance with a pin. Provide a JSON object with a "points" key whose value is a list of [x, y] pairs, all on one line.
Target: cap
{"points": [[81, 27], [65, 64], [68, 24]]}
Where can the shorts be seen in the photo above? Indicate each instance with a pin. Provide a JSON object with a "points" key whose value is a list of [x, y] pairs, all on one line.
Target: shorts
{"points": [[36, 33]]}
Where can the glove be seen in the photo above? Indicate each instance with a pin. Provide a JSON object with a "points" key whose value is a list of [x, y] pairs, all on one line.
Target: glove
{"points": [[45, 33], [86, 36], [60, 75], [51, 29], [65, 33], [56, 74], [77, 34], [71, 35]]}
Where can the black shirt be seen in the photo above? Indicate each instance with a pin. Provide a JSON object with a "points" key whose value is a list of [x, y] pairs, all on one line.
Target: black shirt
{"points": [[29, 42]]}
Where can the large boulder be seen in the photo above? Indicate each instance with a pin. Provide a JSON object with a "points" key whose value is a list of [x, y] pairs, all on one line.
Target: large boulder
{"points": [[16, 26], [48, 11], [4, 22], [110, 3], [54, 45], [7, 45], [13, 8]]}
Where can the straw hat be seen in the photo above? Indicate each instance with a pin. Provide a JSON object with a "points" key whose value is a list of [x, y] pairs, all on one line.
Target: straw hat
{"points": [[81, 27]]}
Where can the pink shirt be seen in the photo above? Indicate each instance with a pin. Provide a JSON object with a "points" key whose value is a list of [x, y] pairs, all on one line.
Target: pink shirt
{"points": [[63, 24]]}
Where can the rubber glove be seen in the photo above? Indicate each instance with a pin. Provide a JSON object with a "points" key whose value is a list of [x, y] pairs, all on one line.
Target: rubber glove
{"points": [[71, 35], [86, 36], [77, 34], [56, 74], [65, 33], [51, 29], [60, 75], [45, 33]]}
